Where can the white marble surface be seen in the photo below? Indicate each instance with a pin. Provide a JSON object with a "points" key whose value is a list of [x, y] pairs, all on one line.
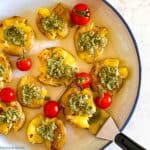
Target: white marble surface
{"points": [[136, 13]]}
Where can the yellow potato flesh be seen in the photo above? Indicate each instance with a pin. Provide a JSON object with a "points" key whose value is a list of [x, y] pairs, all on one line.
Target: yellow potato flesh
{"points": [[33, 136]]}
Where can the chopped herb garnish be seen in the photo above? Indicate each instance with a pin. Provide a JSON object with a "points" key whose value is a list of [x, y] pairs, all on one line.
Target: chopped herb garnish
{"points": [[9, 116], [57, 69], [15, 35], [46, 130], [90, 41], [2, 70], [109, 78], [79, 104], [29, 92], [53, 22]]}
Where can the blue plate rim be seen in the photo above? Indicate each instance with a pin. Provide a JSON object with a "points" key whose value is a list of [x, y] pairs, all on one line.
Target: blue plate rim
{"points": [[139, 63]]}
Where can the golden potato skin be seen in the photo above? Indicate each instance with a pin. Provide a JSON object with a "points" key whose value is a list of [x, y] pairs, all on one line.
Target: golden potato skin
{"points": [[112, 62], [47, 53], [82, 120], [13, 49], [6, 127], [84, 55], [63, 12], [58, 144], [31, 80], [7, 75], [35, 138]]}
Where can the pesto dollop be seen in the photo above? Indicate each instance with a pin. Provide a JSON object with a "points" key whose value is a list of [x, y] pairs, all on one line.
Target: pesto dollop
{"points": [[53, 22], [15, 35], [109, 78], [90, 41], [9, 116], [29, 92], [57, 69], [79, 104], [46, 130], [2, 70]]}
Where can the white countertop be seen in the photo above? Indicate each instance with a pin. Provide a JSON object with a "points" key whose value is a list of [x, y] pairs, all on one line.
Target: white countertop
{"points": [[136, 13]]}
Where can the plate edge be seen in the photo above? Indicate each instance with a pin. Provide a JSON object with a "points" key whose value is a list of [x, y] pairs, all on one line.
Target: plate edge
{"points": [[139, 63]]}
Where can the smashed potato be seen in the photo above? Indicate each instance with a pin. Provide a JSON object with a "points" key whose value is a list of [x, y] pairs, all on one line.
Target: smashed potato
{"points": [[58, 66], [15, 34], [54, 23], [90, 41], [78, 106], [31, 93], [108, 75], [11, 117], [5, 70], [49, 131]]}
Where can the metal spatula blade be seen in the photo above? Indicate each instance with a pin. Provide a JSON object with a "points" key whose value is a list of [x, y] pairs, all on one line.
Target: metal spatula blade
{"points": [[103, 126], [108, 131]]}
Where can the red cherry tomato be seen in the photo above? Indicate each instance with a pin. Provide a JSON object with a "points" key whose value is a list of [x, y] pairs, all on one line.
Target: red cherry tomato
{"points": [[80, 14], [51, 109], [24, 64], [103, 102], [7, 95], [84, 80]]}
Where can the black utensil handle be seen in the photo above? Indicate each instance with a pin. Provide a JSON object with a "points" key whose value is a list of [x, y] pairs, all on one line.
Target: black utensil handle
{"points": [[126, 143]]}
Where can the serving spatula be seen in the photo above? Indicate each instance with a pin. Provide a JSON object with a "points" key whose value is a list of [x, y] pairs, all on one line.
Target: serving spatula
{"points": [[103, 126]]}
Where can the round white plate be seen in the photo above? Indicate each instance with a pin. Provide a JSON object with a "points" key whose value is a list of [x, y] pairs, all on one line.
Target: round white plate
{"points": [[121, 45]]}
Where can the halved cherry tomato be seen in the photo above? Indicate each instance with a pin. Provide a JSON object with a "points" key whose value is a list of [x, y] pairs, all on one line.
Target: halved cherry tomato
{"points": [[84, 80], [81, 14], [103, 102], [7, 95], [24, 64], [51, 109]]}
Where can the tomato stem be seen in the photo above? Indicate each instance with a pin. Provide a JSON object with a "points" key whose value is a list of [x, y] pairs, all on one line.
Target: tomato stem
{"points": [[80, 80], [84, 13], [23, 54], [47, 98]]}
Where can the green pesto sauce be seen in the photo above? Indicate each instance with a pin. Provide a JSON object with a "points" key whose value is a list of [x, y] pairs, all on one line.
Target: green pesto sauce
{"points": [[109, 78], [79, 104], [57, 69], [90, 41], [29, 92], [15, 35], [46, 130], [53, 22], [9, 116], [2, 70]]}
